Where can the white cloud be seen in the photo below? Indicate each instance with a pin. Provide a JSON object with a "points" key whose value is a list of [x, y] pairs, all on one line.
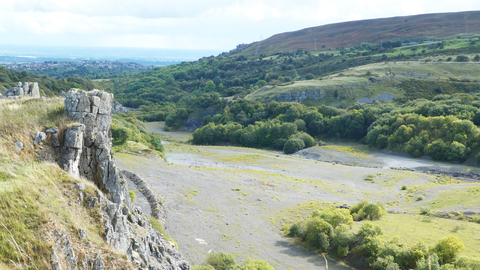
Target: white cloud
{"points": [[216, 24]]}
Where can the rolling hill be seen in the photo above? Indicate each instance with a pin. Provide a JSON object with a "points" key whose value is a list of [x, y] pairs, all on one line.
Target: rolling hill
{"points": [[347, 34]]}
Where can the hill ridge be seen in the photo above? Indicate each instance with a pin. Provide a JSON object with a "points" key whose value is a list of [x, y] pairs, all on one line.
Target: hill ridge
{"points": [[353, 33]]}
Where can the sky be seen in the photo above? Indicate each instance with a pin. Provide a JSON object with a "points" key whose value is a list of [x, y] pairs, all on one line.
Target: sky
{"points": [[189, 24]]}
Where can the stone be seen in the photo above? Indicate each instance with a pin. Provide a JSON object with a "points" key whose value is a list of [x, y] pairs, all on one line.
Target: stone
{"points": [[93, 110], [28, 89], [98, 263], [55, 141], [39, 137], [18, 146], [79, 186], [82, 234], [52, 130]]}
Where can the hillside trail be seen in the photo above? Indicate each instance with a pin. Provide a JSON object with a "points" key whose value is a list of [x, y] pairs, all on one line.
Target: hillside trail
{"points": [[235, 200]]}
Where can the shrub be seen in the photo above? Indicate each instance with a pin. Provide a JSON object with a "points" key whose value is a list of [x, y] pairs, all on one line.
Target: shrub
{"points": [[256, 265], [425, 211], [366, 210], [420, 198], [293, 145], [432, 263], [448, 248], [297, 230], [308, 140], [335, 216], [462, 58], [221, 261], [404, 187], [476, 58], [318, 233], [132, 194], [309, 76]]}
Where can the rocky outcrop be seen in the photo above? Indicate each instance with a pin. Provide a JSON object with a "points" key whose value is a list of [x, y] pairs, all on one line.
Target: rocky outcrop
{"points": [[127, 231], [23, 89], [119, 108], [86, 151]]}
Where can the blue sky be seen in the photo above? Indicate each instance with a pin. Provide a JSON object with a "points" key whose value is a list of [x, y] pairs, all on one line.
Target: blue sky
{"points": [[188, 24]]}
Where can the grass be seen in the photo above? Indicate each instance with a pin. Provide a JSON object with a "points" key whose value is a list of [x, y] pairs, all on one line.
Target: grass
{"points": [[157, 225], [21, 119], [458, 198], [413, 228], [354, 151], [36, 198], [353, 84]]}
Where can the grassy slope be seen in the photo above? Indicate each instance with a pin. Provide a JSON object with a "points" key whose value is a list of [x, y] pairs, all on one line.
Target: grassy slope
{"points": [[34, 197], [428, 26], [392, 80]]}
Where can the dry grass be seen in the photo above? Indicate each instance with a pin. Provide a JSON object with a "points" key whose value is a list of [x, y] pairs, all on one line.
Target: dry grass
{"points": [[21, 119], [36, 198]]}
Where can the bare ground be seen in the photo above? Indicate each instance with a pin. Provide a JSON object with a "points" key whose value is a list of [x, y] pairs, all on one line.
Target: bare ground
{"points": [[233, 199]]}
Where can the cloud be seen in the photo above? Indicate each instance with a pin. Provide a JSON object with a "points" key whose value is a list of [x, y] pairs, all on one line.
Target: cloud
{"points": [[216, 24]]}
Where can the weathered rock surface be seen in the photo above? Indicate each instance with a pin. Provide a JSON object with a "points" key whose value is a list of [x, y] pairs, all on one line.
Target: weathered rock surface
{"points": [[39, 137], [24, 89], [119, 108], [87, 152], [18, 146]]}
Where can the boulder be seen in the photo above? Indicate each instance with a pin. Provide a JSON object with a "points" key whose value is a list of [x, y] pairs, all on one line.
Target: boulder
{"points": [[18, 146], [39, 137]]}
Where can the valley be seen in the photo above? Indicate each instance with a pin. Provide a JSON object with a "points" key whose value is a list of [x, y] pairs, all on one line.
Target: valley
{"points": [[236, 200]]}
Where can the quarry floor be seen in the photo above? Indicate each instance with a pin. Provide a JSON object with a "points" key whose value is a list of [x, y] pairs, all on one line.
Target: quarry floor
{"points": [[236, 200]]}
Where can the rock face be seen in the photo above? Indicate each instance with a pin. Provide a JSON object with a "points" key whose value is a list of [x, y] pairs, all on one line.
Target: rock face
{"points": [[24, 89], [86, 151]]}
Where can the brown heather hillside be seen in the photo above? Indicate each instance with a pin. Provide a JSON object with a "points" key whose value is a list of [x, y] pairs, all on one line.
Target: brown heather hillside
{"points": [[347, 34]]}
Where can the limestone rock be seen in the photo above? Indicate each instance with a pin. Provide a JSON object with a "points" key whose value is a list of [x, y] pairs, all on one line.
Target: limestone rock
{"points": [[79, 186], [52, 130], [93, 110], [18, 146], [39, 137], [24, 89]]}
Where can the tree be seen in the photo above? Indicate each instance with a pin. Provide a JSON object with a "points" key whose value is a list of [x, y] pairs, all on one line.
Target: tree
{"points": [[448, 248], [209, 87], [293, 145]]}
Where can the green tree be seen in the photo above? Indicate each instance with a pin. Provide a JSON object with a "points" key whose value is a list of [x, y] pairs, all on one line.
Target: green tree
{"points": [[209, 87], [448, 248], [293, 145]]}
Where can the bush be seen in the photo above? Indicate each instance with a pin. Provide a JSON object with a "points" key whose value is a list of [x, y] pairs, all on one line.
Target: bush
{"points": [[308, 140], [297, 230], [255, 265], [366, 210], [309, 76], [404, 187], [462, 58], [425, 211], [293, 145], [448, 248], [132, 194], [221, 261]]}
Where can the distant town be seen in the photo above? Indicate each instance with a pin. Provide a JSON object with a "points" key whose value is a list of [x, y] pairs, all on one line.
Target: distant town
{"points": [[107, 65]]}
